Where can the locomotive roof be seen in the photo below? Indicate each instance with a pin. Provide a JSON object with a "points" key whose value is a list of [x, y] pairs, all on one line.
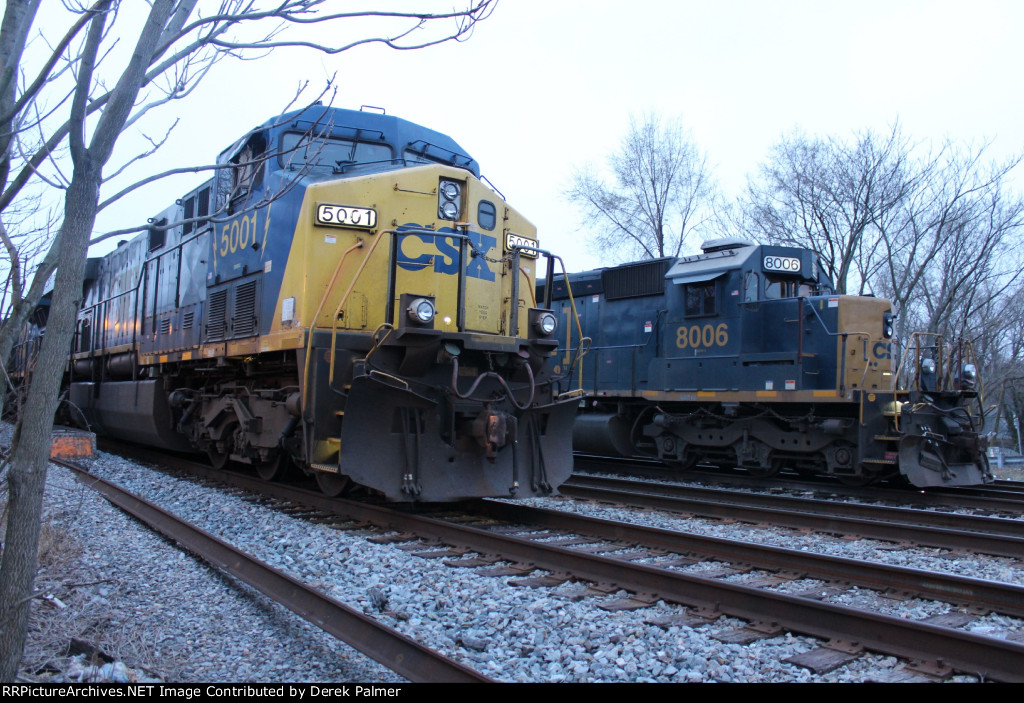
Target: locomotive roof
{"points": [[718, 257], [711, 264], [350, 124]]}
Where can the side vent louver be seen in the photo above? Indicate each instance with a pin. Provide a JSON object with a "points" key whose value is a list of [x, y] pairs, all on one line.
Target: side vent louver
{"points": [[245, 310], [216, 321]]}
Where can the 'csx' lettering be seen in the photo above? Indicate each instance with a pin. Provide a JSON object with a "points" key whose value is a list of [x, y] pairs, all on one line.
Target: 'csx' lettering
{"points": [[417, 250]]}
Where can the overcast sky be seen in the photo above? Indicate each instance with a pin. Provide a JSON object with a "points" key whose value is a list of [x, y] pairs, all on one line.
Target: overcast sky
{"points": [[545, 86]]}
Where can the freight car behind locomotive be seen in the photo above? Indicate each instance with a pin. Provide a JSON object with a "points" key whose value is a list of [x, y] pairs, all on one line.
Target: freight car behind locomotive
{"points": [[345, 294], [744, 356]]}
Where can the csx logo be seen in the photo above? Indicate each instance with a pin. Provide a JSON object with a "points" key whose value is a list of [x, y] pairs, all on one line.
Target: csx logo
{"points": [[882, 350], [417, 250]]}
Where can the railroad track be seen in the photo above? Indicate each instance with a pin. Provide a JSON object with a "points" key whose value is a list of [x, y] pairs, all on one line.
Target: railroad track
{"points": [[1001, 497], [375, 639], [984, 535], [606, 554]]}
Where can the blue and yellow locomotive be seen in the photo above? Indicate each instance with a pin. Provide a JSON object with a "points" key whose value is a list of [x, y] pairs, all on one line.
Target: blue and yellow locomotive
{"points": [[744, 356], [346, 295]]}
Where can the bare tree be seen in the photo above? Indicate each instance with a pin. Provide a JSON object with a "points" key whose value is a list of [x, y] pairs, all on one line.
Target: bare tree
{"points": [[830, 196], [662, 191], [997, 332], [174, 48], [948, 250]]}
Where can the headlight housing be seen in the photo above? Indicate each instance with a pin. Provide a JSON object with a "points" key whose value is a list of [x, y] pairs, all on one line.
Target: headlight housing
{"points": [[421, 311], [887, 325], [546, 324], [449, 200], [969, 377], [543, 323]]}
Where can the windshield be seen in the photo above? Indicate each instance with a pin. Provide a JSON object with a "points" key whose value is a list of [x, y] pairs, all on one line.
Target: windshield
{"points": [[329, 156]]}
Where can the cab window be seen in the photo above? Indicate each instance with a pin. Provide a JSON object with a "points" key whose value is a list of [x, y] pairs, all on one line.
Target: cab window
{"points": [[700, 299], [776, 288], [319, 156]]}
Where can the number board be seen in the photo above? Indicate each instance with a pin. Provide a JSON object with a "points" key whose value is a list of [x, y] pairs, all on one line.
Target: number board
{"points": [[345, 216], [787, 264], [518, 240]]}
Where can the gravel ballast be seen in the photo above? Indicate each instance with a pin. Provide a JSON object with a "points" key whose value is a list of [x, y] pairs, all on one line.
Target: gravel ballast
{"points": [[110, 582]]}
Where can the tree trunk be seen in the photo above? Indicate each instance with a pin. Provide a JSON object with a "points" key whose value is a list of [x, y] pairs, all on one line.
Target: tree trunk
{"points": [[27, 474]]}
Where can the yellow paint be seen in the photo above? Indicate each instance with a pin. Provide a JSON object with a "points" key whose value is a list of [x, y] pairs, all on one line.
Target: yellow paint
{"points": [[868, 362], [399, 198], [702, 336], [738, 396], [240, 347]]}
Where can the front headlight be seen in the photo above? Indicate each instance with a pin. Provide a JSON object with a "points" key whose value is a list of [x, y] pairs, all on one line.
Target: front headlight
{"points": [[928, 367], [887, 325], [542, 322], [421, 311], [545, 324], [969, 376], [449, 200]]}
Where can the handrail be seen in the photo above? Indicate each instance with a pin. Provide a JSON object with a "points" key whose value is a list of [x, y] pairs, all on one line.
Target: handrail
{"points": [[323, 301]]}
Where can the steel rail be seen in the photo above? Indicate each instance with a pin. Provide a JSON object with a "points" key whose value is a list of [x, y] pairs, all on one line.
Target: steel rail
{"points": [[375, 639], [815, 515]]}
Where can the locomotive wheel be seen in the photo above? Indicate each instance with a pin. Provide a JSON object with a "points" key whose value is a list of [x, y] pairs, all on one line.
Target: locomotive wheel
{"points": [[219, 459], [331, 485], [269, 470]]}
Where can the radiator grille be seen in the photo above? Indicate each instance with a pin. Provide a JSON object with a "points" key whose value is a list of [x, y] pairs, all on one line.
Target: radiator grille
{"points": [[635, 280]]}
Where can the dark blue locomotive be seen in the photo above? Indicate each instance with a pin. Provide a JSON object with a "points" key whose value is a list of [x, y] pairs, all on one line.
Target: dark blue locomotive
{"points": [[745, 356], [346, 295]]}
